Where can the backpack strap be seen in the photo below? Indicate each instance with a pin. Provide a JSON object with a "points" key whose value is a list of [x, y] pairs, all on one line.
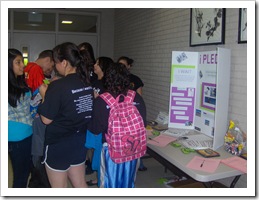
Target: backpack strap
{"points": [[130, 96], [108, 98]]}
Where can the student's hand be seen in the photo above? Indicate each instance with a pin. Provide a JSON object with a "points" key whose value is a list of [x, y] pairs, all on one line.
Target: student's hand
{"points": [[96, 94], [42, 89], [139, 90]]}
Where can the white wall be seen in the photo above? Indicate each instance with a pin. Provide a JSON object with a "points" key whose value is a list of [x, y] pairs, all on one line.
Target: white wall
{"points": [[105, 45], [150, 35]]}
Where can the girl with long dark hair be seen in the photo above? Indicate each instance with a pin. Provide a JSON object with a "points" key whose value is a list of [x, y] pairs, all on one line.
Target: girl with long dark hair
{"points": [[19, 120]]}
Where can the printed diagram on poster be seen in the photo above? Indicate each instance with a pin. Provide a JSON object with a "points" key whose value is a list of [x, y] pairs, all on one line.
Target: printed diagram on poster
{"points": [[208, 96]]}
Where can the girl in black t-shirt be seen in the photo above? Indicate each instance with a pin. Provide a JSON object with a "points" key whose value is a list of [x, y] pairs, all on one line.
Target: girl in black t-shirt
{"points": [[100, 67], [136, 83], [122, 175], [66, 109]]}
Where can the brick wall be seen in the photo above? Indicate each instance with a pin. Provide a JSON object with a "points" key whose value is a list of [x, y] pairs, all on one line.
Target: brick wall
{"points": [[150, 35]]}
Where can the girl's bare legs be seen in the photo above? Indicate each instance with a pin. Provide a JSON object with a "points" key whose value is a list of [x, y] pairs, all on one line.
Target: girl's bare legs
{"points": [[76, 175], [56, 179]]}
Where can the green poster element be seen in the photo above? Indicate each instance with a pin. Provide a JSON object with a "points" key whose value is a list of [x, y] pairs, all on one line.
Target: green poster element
{"points": [[180, 66]]}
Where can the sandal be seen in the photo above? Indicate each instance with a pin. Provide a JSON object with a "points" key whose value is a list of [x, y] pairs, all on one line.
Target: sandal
{"points": [[90, 183]]}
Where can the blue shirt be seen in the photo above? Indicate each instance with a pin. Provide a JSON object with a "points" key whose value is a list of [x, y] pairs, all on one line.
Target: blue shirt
{"points": [[20, 120]]}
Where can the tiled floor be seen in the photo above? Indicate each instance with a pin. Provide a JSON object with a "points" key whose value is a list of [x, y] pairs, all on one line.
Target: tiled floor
{"points": [[150, 178], [145, 179]]}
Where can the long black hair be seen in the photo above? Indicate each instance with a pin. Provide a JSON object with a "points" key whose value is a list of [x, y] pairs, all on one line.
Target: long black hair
{"points": [[104, 63], [127, 59], [88, 52], [17, 86], [70, 52], [85, 46]]}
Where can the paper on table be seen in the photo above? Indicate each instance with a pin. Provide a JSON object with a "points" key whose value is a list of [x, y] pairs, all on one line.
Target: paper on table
{"points": [[198, 141], [175, 132], [204, 164], [236, 163], [161, 140]]}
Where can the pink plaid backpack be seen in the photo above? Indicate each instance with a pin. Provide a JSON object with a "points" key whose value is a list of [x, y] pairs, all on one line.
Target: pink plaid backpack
{"points": [[126, 135]]}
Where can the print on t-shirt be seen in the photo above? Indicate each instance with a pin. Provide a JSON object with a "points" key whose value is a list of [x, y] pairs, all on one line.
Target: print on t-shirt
{"points": [[83, 103]]}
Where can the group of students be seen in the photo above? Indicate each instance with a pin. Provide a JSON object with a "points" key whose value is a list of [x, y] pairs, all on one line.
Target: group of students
{"points": [[69, 109]]}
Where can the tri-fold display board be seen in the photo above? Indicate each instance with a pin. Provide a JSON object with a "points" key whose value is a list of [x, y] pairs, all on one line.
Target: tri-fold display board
{"points": [[199, 92]]}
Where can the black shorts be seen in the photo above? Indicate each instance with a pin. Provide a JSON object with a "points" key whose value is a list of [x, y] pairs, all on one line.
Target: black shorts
{"points": [[66, 153]]}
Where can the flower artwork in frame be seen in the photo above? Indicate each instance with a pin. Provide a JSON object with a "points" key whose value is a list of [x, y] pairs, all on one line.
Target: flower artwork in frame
{"points": [[207, 26], [242, 26]]}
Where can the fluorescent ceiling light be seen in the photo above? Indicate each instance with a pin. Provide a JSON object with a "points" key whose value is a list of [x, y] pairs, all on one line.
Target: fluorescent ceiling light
{"points": [[66, 22], [33, 25]]}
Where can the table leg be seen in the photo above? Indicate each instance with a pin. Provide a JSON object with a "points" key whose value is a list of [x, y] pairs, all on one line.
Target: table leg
{"points": [[235, 181], [167, 164]]}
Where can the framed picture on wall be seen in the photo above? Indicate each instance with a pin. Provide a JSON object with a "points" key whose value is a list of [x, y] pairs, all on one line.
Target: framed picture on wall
{"points": [[242, 26], [207, 26]]}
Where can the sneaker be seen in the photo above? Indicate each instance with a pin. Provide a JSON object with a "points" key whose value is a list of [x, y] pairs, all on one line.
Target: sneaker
{"points": [[142, 169]]}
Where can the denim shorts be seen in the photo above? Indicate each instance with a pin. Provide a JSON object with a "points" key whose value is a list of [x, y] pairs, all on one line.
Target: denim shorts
{"points": [[66, 153]]}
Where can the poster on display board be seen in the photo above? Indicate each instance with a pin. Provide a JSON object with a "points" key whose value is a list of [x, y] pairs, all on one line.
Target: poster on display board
{"points": [[198, 81], [206, 92], [183, 89]]}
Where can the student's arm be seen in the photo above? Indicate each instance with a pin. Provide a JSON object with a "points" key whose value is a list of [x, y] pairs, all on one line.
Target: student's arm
{"points": [[42, 89], [45, 120], [140, 104], [139, 91], [50, 105]]}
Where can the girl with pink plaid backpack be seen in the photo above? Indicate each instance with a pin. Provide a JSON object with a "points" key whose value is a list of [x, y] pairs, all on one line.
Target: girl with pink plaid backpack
{"points": [[120, 115]]}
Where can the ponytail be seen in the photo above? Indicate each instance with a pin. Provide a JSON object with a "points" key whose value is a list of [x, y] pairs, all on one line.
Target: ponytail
{"points": [[83, 69], [70, 52]]}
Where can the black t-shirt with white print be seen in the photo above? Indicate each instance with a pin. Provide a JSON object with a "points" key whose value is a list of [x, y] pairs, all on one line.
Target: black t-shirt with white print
{"points": [[135, 82], [69, 103]]}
